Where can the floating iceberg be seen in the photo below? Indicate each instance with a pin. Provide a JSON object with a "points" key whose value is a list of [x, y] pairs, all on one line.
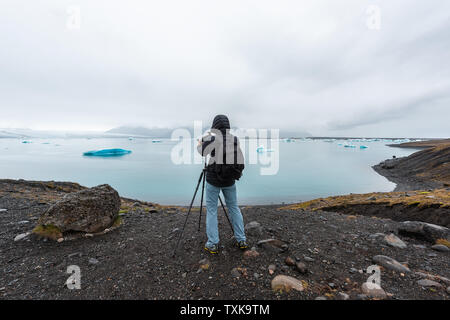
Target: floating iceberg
{"points": [[261, 149], [349, 146], [26, 141], [156, 140], [363, 147], [107, 153]]}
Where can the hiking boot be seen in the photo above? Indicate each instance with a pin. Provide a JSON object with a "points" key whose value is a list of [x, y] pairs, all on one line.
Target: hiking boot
{"points": [[242, 244], [214, 249]]}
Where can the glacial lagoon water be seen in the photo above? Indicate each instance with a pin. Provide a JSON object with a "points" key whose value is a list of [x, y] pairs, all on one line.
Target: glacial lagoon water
{"points": [[307, 168]]}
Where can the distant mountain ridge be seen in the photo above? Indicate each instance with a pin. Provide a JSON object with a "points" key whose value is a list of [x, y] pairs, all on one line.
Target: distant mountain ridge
{"points": [[166, 132]]}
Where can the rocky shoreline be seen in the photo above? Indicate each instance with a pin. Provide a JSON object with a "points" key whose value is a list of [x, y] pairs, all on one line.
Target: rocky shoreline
{"points": [[308, 251]]}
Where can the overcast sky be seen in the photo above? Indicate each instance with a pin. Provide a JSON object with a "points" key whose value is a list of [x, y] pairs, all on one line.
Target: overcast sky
{"points": [[318, 66]]}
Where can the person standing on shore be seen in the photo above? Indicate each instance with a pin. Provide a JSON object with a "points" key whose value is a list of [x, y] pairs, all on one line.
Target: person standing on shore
{"points": [[224, 168]]}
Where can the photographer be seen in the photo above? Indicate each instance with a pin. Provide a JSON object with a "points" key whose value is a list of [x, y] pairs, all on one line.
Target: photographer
{"points": [[224, 168]]}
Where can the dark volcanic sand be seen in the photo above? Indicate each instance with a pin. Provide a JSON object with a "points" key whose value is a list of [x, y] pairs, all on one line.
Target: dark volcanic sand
{"points": [[135, 261]]}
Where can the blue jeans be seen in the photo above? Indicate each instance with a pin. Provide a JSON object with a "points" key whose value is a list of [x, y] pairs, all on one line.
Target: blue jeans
{"points": [[212, 197]]}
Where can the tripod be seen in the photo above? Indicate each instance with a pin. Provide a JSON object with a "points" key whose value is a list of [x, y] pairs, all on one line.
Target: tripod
{"points": [[200, 179]]}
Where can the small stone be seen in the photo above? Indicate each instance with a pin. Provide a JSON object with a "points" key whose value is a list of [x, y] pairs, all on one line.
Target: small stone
{"points": [[289, 261], [88, 235], [448, 290], [343, 296], [353, 270], [93, 261], [321, 298], [253, 228], [23, 222], [390, 263], [235, 273], [3, 210], [308, 259], [440, 248], [429, 283], [373, 290], [301, 267], [393, 241], [272, 268], [183, 275], [21, 236], [256, 276], [331, 285], [204, 264], [251, 254], [419, 246], [60, 240], [74, 254], [286, 283]]}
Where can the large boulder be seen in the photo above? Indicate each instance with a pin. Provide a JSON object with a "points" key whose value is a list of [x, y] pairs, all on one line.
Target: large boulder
{"points": [[426, 231], [90, 210]]}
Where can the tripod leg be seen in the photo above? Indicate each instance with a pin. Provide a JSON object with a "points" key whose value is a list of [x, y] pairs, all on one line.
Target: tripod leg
{"points": [[226, 215], [187, 216], [201, 202]]}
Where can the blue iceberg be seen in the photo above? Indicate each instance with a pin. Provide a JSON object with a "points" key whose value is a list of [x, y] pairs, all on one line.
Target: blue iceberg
{"points": [[363, 147], [107, 153]]}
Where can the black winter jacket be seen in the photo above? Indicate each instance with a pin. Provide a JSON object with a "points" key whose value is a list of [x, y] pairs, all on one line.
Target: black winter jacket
{"points": [[221, 124]]}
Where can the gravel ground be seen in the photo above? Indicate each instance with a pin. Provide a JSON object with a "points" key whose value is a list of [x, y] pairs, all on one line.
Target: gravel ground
{"points": [[135, 261]]}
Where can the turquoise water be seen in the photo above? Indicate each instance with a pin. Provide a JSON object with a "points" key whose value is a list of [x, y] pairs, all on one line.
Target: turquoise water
{"points": [[307, 169]]}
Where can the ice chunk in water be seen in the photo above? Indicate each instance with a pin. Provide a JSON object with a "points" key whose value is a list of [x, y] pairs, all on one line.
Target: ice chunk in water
{"points": [[107, 153], [363, 147]]}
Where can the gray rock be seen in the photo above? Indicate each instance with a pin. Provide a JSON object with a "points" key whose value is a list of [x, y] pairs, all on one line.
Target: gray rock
{"points": [[308, 259], [253, 228], [440, 247], [301, 267], [273, 244], [272, 268], [373, 290], [390, 263], [235, 273], [448, 290], [421, 230], [21, 236], [286, 283], [343, 296], [74, 254], [89, 210], [93, 261], [321, 298], [23, 222], [429, 283], [3, 210], [393, 241]]}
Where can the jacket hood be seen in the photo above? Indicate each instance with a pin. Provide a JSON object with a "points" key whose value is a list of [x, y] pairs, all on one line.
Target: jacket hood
{"points": [[221, 122]]}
